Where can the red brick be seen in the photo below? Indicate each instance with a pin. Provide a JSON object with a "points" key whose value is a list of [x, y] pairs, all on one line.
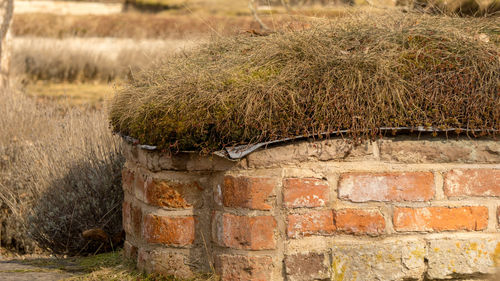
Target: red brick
{"points": [[248, 192], [128, 180], [305, 192], [171, 194], [243, 232], [470, 218], [244, 268], [355, 221], [177, 231], [397, 186], [473, 182], [311, 223]]}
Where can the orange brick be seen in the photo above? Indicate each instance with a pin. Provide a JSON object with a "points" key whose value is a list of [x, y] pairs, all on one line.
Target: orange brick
{"points": [[244, 268], [171, 194], [355, 221], [178, 231], [305, 192], [397, 186], [243, 232], [248, 192], [473, 182], [311, 223], [468, 218]]}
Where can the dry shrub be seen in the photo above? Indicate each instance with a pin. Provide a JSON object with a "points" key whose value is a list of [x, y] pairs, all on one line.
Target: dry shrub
{"points": [[90, 59], [358, 73], [59, 174]]}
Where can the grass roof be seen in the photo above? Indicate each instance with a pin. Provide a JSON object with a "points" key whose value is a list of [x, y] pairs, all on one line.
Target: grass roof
{"points": [[358, 73]]}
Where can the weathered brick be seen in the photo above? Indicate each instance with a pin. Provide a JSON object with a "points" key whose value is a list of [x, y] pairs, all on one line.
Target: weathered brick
{"points": [[438, 150], [132, 218], [176, 231], [143, 259], [139, 186], [136, 219], [469, 218], [170, 194], [244, 268], [396, 186], [307, 266], [378, 260], [127, 217], [465, 256], [130, 251], [311, 223], [128, 180], [305, 192], [243, 232], [356, 221], [170, 264], [472, 182], [301, 151], [248, 192], [423, 151]]}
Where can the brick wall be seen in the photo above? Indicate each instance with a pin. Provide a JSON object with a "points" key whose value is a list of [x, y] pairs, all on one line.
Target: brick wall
{"points": [[395, 209]]}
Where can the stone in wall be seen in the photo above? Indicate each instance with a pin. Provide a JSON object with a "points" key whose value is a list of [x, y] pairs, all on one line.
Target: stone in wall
{"points": [[307, 266], [473, 257], [410, 150], [301, 151], [385, 260]]}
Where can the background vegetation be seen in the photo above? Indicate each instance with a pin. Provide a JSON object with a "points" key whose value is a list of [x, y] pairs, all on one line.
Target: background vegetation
{"points": [[60, 175]]}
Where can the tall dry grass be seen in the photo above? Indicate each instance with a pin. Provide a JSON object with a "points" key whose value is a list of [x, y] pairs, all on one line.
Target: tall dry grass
{"points": [[87, 59], [59, 175]]}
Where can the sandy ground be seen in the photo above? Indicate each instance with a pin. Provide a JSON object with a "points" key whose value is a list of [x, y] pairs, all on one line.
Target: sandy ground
{"points": [[67, 7]]}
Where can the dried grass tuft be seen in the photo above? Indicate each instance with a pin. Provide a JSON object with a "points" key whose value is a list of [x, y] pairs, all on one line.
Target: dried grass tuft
{"points": [[359, 73]]}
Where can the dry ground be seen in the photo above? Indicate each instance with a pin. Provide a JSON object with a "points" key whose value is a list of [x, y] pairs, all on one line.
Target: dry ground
{"points": [[103, 267]]}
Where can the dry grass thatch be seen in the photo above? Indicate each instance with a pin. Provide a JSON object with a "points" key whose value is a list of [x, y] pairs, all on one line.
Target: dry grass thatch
{"points": [[359, 73]]}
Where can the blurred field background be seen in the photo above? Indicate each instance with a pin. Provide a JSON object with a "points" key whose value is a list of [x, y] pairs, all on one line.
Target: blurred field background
{"points": [[68, 58], [58, 44]]}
